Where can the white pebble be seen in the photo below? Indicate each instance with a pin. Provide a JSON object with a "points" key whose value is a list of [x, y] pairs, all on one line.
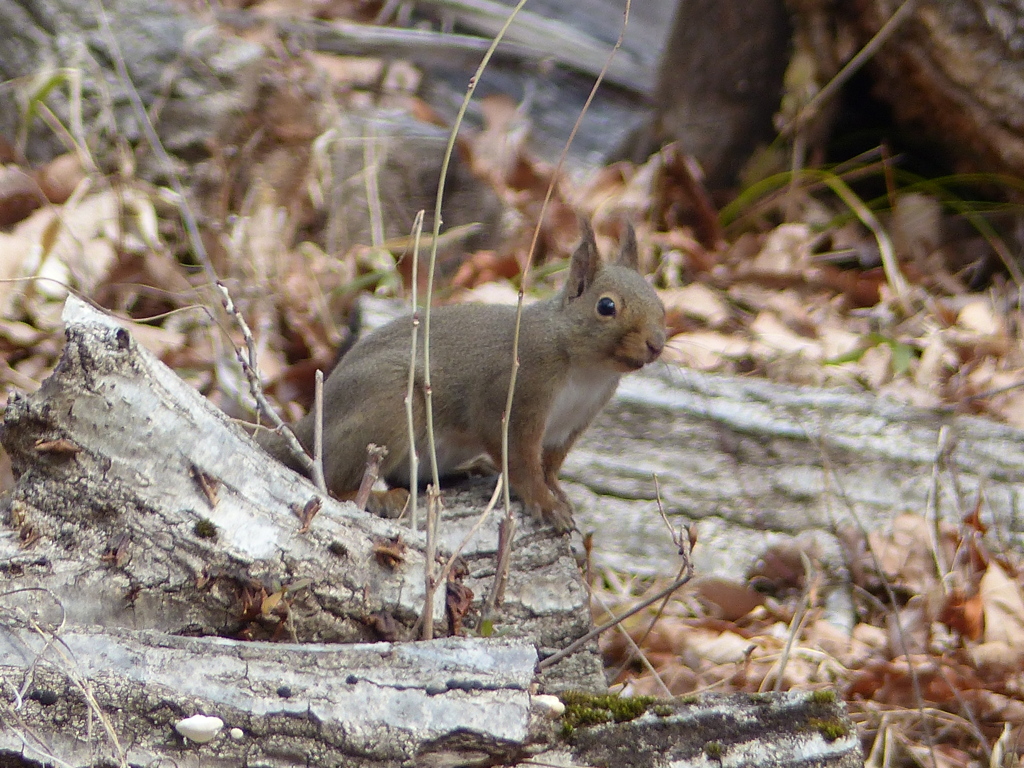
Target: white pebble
{"points": [[199, 728], [549, 706], [236, 733]]}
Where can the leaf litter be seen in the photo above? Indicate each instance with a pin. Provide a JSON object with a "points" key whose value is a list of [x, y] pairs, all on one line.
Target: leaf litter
{"points": [[936, 655]]}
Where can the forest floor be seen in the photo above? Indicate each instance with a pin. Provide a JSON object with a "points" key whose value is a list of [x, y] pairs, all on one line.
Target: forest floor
{"points": [[855, 275]]}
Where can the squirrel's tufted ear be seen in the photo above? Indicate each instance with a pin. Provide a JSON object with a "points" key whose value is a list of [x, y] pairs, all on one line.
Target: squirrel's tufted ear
{"points": [[627, 251], [584, 264]]}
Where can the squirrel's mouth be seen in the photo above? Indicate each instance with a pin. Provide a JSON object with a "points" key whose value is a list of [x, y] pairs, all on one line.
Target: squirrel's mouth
{"points": [[629, 364]]}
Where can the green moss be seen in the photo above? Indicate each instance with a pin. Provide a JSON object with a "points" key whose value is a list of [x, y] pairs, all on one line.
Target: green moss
{"points": [[823, 696], [585, 709], [830, 728], [689, 700], [714, 750], [204, 529], [663, 710]]}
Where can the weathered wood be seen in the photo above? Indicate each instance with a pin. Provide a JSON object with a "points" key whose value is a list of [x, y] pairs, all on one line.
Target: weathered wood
{"points": [[445, 702], [127, 519], [530, 38], [114, 547], [200, 80], [953, 74], [452, 702], [758, 463]]}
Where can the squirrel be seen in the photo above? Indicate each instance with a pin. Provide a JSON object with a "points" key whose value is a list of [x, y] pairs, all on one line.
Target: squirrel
{"points": [[573, 348]]}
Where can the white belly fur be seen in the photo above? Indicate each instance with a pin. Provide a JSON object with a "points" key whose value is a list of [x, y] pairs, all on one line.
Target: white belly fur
{"points": [[577, 403]]}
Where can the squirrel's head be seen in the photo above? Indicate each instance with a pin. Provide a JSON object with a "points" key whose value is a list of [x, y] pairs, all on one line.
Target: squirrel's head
{"points": [[617, 318]]}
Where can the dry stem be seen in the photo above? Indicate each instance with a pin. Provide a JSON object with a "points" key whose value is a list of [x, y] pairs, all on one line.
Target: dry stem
{"points": [[508, 525], [318, 431], [410, 392], [579, 643], [374, 456]]}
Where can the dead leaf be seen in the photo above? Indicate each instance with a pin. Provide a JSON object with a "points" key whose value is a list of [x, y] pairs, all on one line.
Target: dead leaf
{"points": [[698, 302], [59, 178], [730, 600], [963, 614], [208, 484], [19, 195], [458, 601], [271, 602], [1003, 603], [980, 317], [786, 252], [390, 552], [59, 447]]}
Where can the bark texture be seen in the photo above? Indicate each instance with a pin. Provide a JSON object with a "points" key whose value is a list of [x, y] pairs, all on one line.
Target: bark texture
{"points": [[954, 74], [758, 465], [142, 517], [192, 80], [120, 531], [453, 702]]}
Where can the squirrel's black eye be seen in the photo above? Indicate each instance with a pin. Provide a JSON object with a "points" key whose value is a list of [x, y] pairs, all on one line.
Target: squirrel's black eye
{"points": [[606, 306]]}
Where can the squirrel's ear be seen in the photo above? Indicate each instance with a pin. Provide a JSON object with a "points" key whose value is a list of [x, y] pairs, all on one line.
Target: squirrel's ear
{"points": [[584, 264], [627, 252]]}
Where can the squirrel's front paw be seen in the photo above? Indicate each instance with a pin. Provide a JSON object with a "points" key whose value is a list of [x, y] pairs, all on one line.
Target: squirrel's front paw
{"points": [[557, 514]]}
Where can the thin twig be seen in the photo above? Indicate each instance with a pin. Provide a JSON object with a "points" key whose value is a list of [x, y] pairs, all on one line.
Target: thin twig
{"points": [[901, 640], [634, 647], [251, 372], [890, 264], [374, 456], [509, 523], [318, 431], [682, 546], [410, 392], [851, 67], [84, 686], [796, 624], [168, 167], [371, 173], [579, 643], [495, 495], [429, 554], [449, 149], [945, 440], [195, 240]]}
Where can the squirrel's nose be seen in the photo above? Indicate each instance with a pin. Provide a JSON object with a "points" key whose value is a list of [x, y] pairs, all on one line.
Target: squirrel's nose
{"points": [[655, 347]]}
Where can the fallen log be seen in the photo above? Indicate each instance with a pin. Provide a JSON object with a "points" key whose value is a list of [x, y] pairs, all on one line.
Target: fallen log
{"points": [[142, 517]]}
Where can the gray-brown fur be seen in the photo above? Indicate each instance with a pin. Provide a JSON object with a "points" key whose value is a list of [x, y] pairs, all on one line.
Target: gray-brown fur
{"points": [[566, 347]]}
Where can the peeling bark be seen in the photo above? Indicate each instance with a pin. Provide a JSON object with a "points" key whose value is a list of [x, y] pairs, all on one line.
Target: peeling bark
{"points": [[758, 464], [115, 553]]}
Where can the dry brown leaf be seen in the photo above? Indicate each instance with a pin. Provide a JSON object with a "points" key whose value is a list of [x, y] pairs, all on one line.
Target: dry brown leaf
{"points": [[730, 600], [904, 552], [786, 252], [19, 195], [708, 646], [963, 614], [770, 330], [916, 225], [1003, 604], [705, 351], [60, 177], [980, 317], [699, 302]]}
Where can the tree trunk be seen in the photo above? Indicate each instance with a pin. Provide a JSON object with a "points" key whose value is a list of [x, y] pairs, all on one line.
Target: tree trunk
{"points": [[953, 74]]}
